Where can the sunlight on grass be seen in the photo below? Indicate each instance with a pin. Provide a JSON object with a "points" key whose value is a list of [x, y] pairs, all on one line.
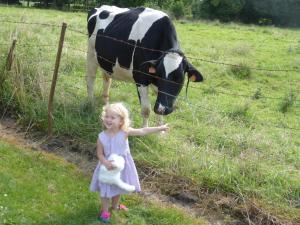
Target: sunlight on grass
{"points": [[39, 188]]}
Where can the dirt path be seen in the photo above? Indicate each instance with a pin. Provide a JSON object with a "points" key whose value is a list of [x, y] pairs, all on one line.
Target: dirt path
{"points": [[21, 137]]}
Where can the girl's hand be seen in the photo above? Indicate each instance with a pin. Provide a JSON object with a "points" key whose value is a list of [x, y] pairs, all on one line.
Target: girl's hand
{"points": [[164, 127], [108, 165]]}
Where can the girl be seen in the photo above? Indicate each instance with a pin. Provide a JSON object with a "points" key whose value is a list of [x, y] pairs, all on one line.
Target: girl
{"points": [[114, 139]]}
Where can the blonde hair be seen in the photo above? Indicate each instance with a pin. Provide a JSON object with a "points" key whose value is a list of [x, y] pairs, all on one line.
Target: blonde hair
{"points": [[121, 111]]}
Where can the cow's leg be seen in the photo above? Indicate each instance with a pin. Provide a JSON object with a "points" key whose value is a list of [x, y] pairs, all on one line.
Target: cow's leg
{"points": [[91, 69], [106, 86], [145, 104]]}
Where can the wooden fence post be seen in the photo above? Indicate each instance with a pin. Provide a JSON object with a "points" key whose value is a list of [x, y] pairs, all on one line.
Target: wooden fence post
{"points": [[54, 79], [9, 60], [10, 56]]}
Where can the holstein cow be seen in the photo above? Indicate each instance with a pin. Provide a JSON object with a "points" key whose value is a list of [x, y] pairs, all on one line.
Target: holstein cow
{"points": [[137, 45]]}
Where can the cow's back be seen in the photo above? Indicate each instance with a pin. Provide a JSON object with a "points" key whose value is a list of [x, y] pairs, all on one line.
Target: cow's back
{"points": [[126, 36]]}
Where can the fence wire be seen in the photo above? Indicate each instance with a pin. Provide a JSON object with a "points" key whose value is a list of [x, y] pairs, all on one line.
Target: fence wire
{"points": [[194, 107], [173, 82], [150, 49]]}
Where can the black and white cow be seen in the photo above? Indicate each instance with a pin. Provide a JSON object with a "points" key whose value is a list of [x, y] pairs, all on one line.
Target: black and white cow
{"points": [[137, 45]]}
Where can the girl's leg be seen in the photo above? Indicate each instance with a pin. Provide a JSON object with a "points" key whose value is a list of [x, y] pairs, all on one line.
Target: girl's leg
{"points": [[104, 214], [115, 202], [105, 204]]}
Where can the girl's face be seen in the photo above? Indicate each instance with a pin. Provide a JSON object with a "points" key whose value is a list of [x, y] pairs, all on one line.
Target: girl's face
{"points": [[112, 121]]}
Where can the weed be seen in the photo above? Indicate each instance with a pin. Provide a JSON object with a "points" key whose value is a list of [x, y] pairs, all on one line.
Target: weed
{"points": [[239, 112], [241, 71], [287, 102], [257, 94]]}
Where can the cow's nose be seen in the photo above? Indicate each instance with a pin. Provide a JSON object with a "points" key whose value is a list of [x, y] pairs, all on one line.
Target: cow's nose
{"points": [[168, 111], [161, 109]]}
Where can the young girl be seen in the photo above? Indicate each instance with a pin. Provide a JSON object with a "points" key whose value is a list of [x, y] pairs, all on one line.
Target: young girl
{"points": [[114, 139]]}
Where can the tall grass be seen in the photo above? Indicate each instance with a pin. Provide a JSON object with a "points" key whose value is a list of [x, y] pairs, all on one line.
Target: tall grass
{"points": [[230, 135]]}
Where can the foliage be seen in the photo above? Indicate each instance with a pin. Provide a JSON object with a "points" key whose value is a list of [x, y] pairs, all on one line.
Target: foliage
{"points": [[217, 9], [10, 2], [127, 3], [276, 12], [177, 9], [268, 12], [287, 102], [241, 70]]}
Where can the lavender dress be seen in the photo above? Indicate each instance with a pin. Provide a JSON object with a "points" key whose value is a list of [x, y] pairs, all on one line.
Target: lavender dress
{"points": [[117, 144]]}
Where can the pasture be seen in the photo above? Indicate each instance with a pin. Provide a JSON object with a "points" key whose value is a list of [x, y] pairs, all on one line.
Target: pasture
{"points": [[236, 134]]}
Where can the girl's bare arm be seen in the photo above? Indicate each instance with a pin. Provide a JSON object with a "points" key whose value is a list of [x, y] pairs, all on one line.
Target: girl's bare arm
{"points": [[101, 157], [146, 130]]}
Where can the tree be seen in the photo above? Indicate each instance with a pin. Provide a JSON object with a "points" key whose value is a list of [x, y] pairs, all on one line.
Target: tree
{"points": [[10, 2], [224, 10], [278, 12]]}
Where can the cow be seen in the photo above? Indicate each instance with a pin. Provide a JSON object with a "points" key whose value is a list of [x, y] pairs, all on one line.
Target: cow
{"points": [[137, 45]]}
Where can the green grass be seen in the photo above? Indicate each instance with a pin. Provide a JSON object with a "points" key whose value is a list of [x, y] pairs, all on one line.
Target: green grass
{"points": [[40, 188], [237, 133]]}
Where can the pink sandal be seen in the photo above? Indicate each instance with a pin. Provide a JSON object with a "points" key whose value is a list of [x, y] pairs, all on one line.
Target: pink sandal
{"points": [[104, 217], [122, 207]]}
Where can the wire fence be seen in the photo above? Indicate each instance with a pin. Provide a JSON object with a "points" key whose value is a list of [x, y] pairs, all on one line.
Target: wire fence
{"points": [[188, 57], [193, 107], [150, 49], [173, 82]]}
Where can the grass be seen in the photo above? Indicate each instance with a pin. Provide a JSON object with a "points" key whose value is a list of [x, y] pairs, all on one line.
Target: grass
{"points": [[40, 188], [237, 133]]}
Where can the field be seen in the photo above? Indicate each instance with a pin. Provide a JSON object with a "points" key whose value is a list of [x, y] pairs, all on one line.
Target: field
{"points": [[235, 135], [56, 192]]}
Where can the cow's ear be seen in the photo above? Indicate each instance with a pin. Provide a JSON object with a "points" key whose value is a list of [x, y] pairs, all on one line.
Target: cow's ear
{"points": [[149, 66], [193, 74]]}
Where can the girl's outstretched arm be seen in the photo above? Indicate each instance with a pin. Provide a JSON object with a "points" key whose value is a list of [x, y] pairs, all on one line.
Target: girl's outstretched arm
{"points": [[146, 130]]}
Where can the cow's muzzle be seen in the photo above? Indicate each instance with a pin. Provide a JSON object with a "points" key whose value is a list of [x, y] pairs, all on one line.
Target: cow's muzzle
{"points": [[161, 109]]}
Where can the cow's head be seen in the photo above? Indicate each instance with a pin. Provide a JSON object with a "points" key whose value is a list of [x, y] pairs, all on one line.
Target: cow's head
{"points": [[170, 70]]}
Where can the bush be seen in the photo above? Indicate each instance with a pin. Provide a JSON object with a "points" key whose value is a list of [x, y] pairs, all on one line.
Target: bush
{"points": [[200, 10], [177, 9], [225, 10], [268, 12]]}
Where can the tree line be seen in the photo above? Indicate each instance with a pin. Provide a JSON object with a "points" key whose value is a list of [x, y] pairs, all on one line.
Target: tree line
{"points": [[264, 12]]}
